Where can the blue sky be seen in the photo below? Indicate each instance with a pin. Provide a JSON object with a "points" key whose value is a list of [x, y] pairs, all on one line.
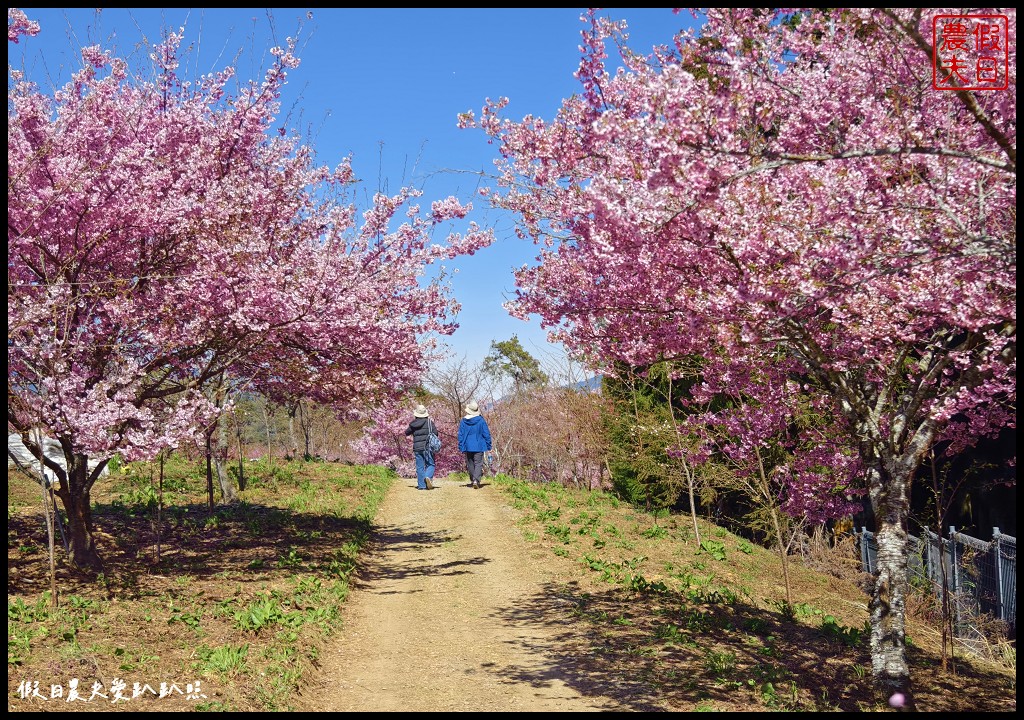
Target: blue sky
{"points": [[385, 85]]}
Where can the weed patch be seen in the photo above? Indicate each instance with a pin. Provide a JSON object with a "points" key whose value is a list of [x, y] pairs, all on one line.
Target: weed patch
{"points": [[186, 599]]}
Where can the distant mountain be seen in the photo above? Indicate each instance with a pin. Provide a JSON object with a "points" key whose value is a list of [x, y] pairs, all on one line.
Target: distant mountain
{"points": [[590, 384]]}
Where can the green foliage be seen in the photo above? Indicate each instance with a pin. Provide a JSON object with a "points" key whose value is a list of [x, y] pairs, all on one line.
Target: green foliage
{"points": [[259, 614], [719, 663], [758, 626], [269, 475], [638, 583], [713, 548], [725, 596], [130, 661], [770, 694], [670, 634], [804, 610], [641, 431], [508, 359], [561, 532], [212, 706], [19, 644], [548, 513], [142, 497], [609, 571], [114, 464], [787, 611], [25, 624], [851, 637], [291, 559], [224, 659], [192, 619], [770, 647], [587, 523], [342, 563], [19, 611], [655, 532]]}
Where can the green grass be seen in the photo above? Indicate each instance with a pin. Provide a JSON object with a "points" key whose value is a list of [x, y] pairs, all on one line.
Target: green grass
{"points": [[675, 612], [270, 571], [244, 597]]}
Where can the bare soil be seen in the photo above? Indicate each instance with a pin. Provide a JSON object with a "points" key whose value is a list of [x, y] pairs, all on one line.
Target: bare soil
{"points": [[468, 603], [454, 611]]}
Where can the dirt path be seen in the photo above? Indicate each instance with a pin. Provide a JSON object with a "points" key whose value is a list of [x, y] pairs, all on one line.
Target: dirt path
{"points": [[453, 613]]}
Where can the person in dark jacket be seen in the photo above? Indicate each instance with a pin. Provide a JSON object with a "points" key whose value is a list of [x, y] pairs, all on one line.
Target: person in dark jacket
{"points": [[474, 441], [419, 428]]}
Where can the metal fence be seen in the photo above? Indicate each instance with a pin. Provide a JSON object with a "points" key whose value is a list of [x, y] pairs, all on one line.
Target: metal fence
{"points": [[980, 577]]}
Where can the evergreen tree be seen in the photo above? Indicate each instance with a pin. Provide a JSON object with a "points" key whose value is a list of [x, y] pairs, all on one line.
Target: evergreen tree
{"points": [[509, 360]]}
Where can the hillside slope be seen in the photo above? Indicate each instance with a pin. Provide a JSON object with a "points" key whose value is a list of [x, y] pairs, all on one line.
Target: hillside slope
{"points": [[337, 588]]}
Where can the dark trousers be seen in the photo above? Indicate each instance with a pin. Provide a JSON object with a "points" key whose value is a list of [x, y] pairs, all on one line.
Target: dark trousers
{"points": [[474, 466]]}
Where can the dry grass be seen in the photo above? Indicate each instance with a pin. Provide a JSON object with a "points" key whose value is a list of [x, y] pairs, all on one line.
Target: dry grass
{"points": [[707, 628], [236, 601], [243, 598]]}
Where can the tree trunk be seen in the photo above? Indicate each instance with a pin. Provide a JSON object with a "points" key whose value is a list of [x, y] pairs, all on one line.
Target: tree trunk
{"points": [[890, 492], [783, 554], [47, 495], [209, 468], [305, 413], [693, 502], [241, 458], [160, 506], [291, 432], [688, 471], [75, 495], [227, 490], [266, 425]]}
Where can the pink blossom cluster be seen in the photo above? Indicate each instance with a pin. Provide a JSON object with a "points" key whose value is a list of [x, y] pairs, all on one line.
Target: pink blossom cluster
{"points": [[18, 24], [786, 195], [162, 234], [784, 190]]}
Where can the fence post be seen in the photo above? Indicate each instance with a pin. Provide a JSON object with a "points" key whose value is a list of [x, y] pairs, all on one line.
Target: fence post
{"points": [[954, 572], [937, 566], [864, 562], [999, 572]]}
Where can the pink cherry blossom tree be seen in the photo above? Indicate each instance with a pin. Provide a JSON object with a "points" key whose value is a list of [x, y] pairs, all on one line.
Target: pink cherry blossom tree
{"points": [[161, 233], [780, 450], [384, 441], [788, 188]]}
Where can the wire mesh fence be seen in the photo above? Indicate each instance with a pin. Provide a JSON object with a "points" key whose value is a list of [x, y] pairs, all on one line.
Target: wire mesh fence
{"points": [[977, 578]]}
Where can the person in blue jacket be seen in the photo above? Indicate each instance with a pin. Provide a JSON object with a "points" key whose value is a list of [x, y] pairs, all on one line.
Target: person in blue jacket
{"points": [[474, 441]]}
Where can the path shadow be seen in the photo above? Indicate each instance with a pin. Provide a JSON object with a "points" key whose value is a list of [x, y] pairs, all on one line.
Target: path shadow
{"points": [[385, 558], [649, 651], [251, 538]]}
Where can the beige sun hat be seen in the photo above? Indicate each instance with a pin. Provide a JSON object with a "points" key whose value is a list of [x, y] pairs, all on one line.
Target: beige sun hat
{"points": [[472, 410], [420, 411]]}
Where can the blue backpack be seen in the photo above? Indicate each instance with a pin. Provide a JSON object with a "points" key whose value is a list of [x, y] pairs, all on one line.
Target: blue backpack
{"points": [[433, 439]]}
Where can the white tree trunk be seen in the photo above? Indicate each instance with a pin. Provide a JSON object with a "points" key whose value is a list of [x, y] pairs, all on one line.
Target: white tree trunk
{"points": [[890, 495]]}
